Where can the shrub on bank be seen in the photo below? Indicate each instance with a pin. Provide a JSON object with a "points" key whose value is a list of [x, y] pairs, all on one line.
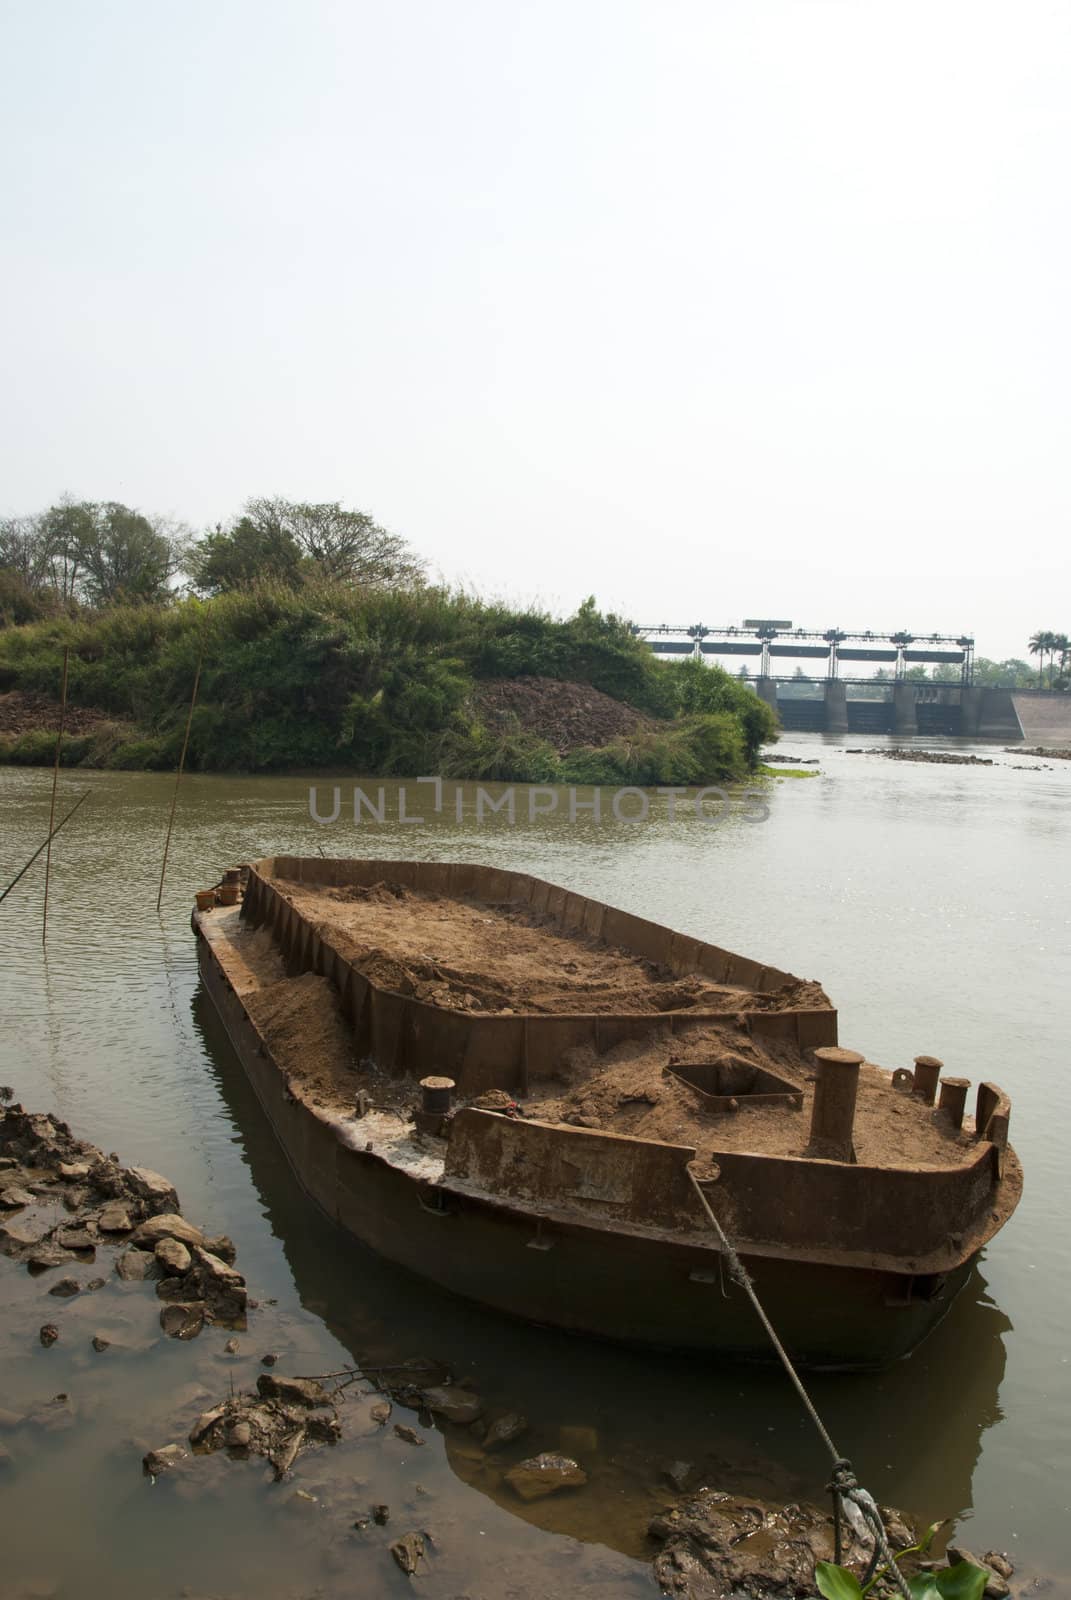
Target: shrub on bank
{"points": [[372, 681]]}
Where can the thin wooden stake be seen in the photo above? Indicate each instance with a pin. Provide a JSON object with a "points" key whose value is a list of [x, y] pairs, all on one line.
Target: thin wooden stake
{"points": [[55, 781], [61, 823], [178, 780]]}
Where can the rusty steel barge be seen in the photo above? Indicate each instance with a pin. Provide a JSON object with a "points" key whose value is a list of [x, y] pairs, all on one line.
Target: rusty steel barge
{"points": [[513, 1090]]}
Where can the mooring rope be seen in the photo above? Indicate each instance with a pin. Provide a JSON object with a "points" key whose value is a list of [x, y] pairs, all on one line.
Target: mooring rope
{"points": [[843, 1485]]}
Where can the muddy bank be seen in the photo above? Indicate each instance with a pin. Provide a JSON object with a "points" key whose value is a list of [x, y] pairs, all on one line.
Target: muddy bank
{"points": [[23, 712], [1037, 750]]}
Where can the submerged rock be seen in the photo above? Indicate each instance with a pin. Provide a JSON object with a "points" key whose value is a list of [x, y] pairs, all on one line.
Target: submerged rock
{"points": [[408, 1552], [297, 1391], [545, 1474], [65, 1288], [504, 1430], [13, 1197], [49, 1334], [134, 1266], [455, 1404], [182, 1319], [160, 1461]]}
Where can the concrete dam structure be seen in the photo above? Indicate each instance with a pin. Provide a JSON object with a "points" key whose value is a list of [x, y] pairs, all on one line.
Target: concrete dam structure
{"points": [[835, 700]]}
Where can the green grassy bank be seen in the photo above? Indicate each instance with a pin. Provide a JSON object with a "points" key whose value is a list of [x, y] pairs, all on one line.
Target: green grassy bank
{"points": [[384, 683]]}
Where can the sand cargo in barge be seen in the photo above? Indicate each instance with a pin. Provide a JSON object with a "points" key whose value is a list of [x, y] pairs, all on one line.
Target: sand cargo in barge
{"points": [[512, 1089]]}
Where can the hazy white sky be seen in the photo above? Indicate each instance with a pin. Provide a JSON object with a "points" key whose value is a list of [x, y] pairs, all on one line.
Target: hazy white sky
{"points": [[712, 309]]}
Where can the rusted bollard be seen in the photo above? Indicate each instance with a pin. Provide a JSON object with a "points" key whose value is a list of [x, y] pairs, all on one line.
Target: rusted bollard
{"points": [[833, 1113], [437, 1094], [436, 1098], [954, 1099], [927, 1072]]}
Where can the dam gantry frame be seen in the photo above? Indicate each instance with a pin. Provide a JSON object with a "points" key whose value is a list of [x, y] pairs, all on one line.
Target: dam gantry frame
{"points": [[820, 701]]}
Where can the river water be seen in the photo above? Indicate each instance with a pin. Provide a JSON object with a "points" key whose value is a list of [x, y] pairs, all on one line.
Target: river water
{"points": [[933, 903]]}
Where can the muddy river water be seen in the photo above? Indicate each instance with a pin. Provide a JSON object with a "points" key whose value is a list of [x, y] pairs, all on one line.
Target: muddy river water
{"points": [[934, 903]]}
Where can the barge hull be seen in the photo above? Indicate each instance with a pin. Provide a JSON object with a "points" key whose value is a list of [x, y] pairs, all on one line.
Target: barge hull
{"points": [[575, 1274]]}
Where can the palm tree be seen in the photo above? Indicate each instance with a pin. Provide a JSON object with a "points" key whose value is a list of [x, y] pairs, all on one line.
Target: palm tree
{"points": [[1039, 644], [1061, 646]]}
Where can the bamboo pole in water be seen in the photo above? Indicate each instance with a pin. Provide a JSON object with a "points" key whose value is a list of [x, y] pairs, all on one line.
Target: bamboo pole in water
{"points": [[61, 823], [178, 780], [55, 781]]}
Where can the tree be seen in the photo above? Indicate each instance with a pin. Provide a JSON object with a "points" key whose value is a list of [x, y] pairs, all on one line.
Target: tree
{"points": [[1061, 646], [346, 546], [247, 554], [128, 557], [1039, 646]]}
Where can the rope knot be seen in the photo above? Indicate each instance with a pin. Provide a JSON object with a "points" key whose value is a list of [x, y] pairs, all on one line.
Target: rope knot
{"points": [[844, 1479]]}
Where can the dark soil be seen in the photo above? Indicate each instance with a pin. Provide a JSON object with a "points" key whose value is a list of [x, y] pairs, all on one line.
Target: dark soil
{"points": [[567, 715], [25, 713]]}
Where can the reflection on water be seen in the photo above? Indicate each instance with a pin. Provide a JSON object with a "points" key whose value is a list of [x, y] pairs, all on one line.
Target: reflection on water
{"points": [[932, 901]]}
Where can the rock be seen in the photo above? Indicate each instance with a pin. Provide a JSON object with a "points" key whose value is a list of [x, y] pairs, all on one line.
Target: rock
{"points": [[23, 1234], [167, 1226], [73, 1171], [231, 1347], [157, 1462], [173, 1256], [177, 1289], [157, 1193], [296, 1391], [302, 1497], [223, 1247], [65, 1288], [46, 1256], [206, 1422], [13, 1198], [453, 1404], [182, 1320], [996, 1587], [504, 1430], [544, 1474], [114, 1219], [409, 1435], [998, 1560], [709, 1548], [49, 1334], [268, 1360], [676, 1473], [75, 1239], [133, 1266], [99, 1344], [239, 1435], [381, 1411], [219, 1285], [381, 1515], [408, 1551], [107, 1179], [94, 1284]]}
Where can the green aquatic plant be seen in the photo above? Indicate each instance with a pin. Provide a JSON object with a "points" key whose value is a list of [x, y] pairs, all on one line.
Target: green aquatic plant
{"points": [[964, 1581]]}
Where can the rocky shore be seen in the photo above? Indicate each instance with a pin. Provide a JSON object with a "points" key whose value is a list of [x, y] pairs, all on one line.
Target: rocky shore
{"points": [[69, 1213]]}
